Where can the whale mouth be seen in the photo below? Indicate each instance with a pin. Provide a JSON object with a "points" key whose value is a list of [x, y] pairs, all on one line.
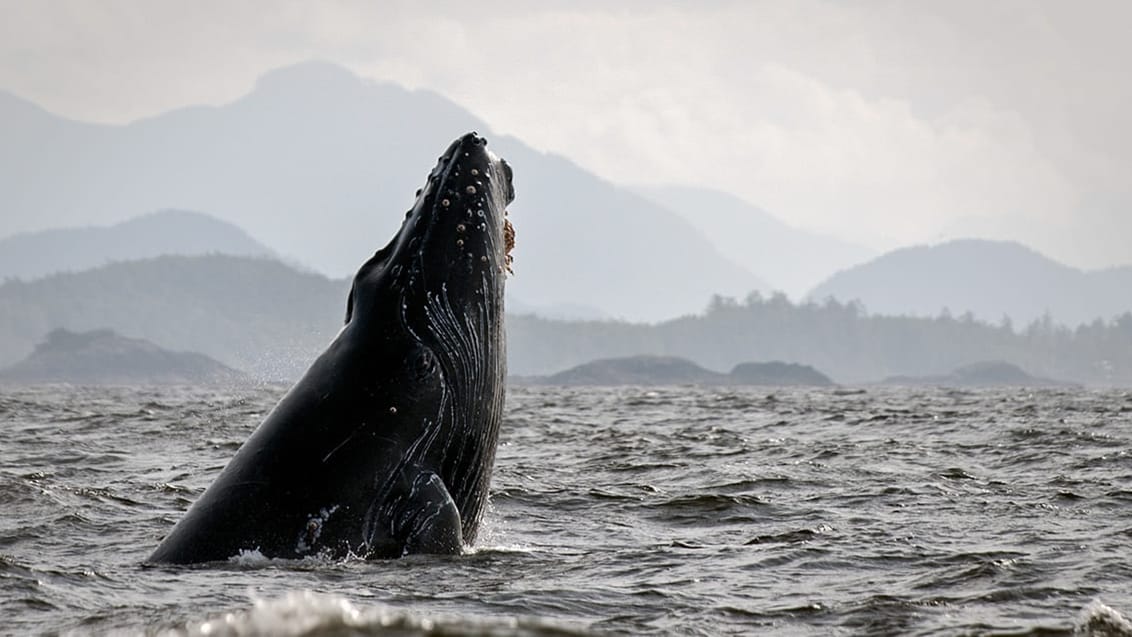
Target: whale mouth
{"points": [[508, 244]]}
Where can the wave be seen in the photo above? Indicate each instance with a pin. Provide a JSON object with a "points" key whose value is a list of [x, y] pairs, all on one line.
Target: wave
{"points": [[1098, 620], [310, 614]]}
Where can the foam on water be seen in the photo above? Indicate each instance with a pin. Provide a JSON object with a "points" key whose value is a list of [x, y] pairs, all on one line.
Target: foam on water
{"points": [[308, 613], [1098, 620]]}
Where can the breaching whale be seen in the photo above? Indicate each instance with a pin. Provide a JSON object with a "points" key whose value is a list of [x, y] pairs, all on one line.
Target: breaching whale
{"points": [[385, 446]]}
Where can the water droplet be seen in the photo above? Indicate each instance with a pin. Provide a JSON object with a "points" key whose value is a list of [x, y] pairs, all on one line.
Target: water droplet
{"points": [[459, 243], [392, 410], [483, 259], [445, 202], [471, 190], [461, 227], [475, 172]]}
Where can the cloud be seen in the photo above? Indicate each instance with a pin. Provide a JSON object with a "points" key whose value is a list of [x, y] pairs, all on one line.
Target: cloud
{"points": [[885, 123], [865, 167]]}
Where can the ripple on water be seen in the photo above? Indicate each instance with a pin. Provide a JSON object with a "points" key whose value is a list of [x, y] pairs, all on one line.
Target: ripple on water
{"points": [[627, 510]]}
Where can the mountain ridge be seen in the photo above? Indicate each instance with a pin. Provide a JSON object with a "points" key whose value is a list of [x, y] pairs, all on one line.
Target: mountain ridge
{"points": [[990, 279], [320, 165], [33, 255], [792, 260]]}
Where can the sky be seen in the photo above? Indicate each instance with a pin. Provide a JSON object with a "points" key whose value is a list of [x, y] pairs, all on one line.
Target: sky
{"points": [[882, 123]]}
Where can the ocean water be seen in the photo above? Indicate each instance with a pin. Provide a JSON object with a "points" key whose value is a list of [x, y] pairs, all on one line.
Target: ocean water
{"points": [[638, 511]]}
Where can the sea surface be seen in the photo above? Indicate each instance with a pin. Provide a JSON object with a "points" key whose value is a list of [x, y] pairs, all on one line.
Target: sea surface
{"points": [[637, 511]]}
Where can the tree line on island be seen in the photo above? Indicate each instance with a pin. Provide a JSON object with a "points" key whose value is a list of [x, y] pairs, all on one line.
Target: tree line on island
{"points": [[841, 340]]}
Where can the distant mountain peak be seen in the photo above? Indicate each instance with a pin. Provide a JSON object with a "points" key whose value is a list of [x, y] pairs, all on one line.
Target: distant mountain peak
{"points": [[989, 278], [10, 103], [20, 116], [311, 74], [975, 246], [994, 258], [171, 231], [321, 164], [181, 217]]}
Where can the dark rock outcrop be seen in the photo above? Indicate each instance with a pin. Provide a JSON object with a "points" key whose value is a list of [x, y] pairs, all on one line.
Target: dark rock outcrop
{"points": [[980, 374], [636, 370], [102, 357], [778, 373], [671, 370]]}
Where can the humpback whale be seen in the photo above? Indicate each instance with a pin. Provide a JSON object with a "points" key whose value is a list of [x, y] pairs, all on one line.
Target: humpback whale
{"points": [[385, 446]]}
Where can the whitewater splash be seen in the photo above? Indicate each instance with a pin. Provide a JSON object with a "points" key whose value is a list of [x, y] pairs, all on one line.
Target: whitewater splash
{"points": [[308, 613], [1098, 620]]}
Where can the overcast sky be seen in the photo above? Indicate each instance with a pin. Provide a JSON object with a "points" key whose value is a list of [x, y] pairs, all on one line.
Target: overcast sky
{"points": [[886, 123]]}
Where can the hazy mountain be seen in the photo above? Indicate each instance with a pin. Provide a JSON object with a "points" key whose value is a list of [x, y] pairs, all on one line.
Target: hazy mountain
{"points": [[36, 254], [788, 258], [270, 320], [990, 279], [321, 165]]}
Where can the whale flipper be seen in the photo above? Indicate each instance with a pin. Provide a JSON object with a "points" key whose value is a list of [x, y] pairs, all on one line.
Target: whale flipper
{"points": [[430, 520]]}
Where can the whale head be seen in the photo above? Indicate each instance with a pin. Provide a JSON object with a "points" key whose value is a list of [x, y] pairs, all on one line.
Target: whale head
{"points": [[453, 247]]}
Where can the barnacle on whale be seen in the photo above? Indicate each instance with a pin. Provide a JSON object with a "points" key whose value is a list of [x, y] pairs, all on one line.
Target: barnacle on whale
{"points": [[509, 244]]}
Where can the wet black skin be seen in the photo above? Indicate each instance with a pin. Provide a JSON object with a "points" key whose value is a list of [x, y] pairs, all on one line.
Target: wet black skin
{"points": [[385, 446]]}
